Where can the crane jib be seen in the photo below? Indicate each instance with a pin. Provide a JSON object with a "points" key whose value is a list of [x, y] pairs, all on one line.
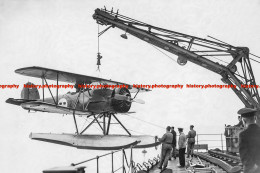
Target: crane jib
{"points": [[236, 69]]}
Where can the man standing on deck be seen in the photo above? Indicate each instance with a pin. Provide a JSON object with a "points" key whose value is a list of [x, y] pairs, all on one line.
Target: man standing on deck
{"points": [[191, 141], [182, 147], [173, 154], [166, 148], [240, 124], [249, 141]]}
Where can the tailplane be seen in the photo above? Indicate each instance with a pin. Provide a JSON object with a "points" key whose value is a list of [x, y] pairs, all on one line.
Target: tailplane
{"points": [[29, 93]]}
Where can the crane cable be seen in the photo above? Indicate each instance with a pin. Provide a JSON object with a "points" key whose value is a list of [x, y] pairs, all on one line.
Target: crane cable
{"points": [[99, 57]]}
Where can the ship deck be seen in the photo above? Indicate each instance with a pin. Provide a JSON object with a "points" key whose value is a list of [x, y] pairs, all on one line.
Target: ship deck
{"points": [[174, 163]]}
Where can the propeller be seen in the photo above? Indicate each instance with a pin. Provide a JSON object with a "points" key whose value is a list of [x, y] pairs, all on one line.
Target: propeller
{"points": [[128, 98], [138, 101]]}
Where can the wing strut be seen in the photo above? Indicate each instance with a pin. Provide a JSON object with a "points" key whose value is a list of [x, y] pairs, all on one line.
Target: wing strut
{"points": [[42, 89], [57, 89], [104, 125], [56, 103], [136, 93], [108, 124]]}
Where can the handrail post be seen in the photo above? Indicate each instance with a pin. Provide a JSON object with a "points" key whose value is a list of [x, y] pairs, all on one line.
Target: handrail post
{"points": [[123, 167], [131, 160], [221, 142], [197, 141], [112, 154], [97, 165]]}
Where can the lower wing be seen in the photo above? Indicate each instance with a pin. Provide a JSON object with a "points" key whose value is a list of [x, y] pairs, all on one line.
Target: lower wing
{"points": [[41, 106]]}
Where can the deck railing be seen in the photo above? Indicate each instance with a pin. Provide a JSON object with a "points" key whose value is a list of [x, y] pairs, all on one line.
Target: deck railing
{"points": [[213, 140], [127, 165]]}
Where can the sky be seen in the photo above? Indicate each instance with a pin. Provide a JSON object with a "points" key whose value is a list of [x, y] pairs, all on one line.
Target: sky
{"points": [[62, 35]]}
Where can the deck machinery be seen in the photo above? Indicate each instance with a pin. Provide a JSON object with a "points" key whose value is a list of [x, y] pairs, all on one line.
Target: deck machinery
{"points": [[230, 62]]}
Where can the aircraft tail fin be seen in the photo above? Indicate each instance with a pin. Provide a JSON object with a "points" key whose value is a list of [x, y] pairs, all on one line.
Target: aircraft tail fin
{"points": [[29, 92]]}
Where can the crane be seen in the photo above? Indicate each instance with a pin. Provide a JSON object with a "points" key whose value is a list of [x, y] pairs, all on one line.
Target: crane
{"points": [[206, 53]]}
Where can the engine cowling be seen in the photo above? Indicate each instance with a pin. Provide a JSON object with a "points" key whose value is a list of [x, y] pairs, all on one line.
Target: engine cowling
{"points": [[121, 100]]}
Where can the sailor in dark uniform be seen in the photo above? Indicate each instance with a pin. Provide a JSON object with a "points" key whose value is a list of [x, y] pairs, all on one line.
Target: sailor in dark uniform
{"points": [[249, 141], [173, 154], [240, 124], [166, 148]]}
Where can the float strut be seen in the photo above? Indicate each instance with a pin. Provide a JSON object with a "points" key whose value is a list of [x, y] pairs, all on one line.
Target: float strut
{"points": [[121, 124], [75, 122]]}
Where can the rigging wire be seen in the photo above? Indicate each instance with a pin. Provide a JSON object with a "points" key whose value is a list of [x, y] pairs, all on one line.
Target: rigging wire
{"points": [[138, 132], [83, 124], [207, 54], [115, 126], [230, 45], [201, 55], [254, 60], [93, 125], [146, 122], [112, 122], [254, 55], [184, 45], [163, 52]]}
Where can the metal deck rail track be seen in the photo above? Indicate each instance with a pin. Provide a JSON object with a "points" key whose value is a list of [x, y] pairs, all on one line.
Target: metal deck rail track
{"points": [[227, 167], [224, 156]]}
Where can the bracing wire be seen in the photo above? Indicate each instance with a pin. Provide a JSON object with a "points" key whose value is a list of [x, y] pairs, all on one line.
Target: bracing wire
{"points": [[83, 124], [255, 60], [137, 132], [128, 129], [163, 53], [191, 48], [254, 55], [230, 45], [207, 54], [147, 122], [93, 125]]}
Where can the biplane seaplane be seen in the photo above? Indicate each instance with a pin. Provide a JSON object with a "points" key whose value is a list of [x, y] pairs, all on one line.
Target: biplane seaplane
{"points": [[100, 104]]}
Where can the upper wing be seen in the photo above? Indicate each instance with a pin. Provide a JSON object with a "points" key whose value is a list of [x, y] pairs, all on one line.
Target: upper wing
{"points": [[63, 76]]}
